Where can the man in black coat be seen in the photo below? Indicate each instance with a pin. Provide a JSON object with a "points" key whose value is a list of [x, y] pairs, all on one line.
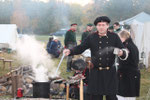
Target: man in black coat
{"points": [[102, 77]]}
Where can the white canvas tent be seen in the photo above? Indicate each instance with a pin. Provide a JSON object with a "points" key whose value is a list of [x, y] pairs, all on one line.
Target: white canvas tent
{"points": [[141, 36], [8, 35], [141, 17], [140, 33]]}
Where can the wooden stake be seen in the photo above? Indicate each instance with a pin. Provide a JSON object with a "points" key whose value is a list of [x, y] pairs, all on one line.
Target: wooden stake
{"points": [[67, 92], [81, 90]]}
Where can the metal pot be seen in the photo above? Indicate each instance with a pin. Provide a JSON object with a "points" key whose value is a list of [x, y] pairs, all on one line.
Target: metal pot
{"points": [[41, 89]]}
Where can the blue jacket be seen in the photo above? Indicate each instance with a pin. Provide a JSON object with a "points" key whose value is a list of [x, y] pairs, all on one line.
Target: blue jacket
{"points": [[54, 48]]}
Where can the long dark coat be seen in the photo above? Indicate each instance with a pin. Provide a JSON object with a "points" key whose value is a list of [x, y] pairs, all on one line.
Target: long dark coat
{"points": [[103, 82], [128, 73]]}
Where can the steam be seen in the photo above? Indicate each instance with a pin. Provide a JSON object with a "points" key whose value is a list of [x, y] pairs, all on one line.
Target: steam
{"points": [[32, 52], [107, 49]]}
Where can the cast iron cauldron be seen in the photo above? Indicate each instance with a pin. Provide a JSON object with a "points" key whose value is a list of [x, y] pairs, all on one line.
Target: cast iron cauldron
{"points": [[41, 89]]}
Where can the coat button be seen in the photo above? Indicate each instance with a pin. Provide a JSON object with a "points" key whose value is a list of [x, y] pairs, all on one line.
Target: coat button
{"points": [[100, 58], [135, 76], [100, 42], [107, 68], [100, 47], [107, 42], [100, 53], [100, 64], [100, 68]]}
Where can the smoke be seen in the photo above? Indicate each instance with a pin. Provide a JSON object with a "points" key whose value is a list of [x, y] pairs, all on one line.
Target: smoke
{"points": [[103, 52], [32, 52], [107, 50]]}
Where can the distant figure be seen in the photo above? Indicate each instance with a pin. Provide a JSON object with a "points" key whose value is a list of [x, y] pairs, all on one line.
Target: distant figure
{"points": [[18, 30], [111, 29], [87, 31], [128, 73], [55, 47], [48, 44], [70, 42], [117, 27]]}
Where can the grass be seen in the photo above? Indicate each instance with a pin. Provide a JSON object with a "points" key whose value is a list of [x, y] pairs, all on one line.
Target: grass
{"points": [[43, 38], [145, 74], [145, 84]]}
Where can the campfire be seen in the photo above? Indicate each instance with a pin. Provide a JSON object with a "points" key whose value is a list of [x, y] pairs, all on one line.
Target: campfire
{"points": [[24, 78]]}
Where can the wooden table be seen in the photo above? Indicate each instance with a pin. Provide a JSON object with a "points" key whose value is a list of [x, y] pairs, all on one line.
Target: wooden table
{"points": [[10, 64]]}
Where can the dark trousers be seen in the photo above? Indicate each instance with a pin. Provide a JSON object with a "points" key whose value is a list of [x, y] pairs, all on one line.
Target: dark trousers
{"points": [[100, 97], [69, 58]]}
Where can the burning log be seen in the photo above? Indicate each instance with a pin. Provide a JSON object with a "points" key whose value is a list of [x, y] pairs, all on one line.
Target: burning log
{"points": [[2, 80], [28, 80], [3, 89], [7, 83]]}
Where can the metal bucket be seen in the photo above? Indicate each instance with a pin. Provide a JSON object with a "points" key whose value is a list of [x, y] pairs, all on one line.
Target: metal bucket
{"points": [[41, 89]]}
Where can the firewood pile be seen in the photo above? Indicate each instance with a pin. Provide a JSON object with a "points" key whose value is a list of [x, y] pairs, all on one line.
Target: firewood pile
{"points": [[21, 77]]}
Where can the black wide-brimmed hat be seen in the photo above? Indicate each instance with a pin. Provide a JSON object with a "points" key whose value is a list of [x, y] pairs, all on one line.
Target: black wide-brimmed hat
{"points": [[102, 19]]}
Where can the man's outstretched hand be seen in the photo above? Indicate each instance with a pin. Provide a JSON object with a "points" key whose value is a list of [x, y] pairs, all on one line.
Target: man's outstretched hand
{"points": [[66, 52]]}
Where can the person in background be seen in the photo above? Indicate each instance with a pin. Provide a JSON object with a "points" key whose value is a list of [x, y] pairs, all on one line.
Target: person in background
{"points": [[55, 47], [128, 72], [88, 31], [48, 44], [70, 42], [111, 29], [116, 27]]}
